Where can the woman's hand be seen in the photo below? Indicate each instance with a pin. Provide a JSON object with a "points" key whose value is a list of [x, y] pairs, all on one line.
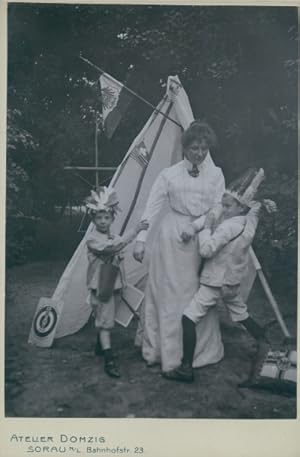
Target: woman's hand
{"points": [[139, 251], [188, 232], [142, 225], [257, 207], [121, 256], [210, 220], [269, 205], [230, 292]]}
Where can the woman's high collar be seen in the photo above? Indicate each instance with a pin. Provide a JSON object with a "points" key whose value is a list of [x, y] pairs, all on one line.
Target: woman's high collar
{"points": [[189, 166]]}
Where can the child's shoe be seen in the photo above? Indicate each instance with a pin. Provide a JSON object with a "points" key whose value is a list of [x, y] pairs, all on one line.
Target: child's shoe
{"points": [[111, 369], [152, 364], [261, 353], [110, 366]]}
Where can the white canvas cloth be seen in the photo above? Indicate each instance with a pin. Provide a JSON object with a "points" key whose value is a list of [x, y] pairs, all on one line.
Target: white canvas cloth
{"points": [[132, 181]]}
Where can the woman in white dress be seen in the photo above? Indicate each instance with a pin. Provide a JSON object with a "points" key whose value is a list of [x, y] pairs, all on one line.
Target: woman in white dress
{"points": [[190, 189]]}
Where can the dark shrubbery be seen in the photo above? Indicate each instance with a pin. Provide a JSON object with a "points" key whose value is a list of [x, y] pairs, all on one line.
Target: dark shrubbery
{"points": [[238, 65], [276, 240], [40, 239], [20, 239]]}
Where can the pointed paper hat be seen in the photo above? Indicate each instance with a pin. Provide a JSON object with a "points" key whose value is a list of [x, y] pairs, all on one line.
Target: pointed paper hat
{"points": [[103, 199], [246, 186]]}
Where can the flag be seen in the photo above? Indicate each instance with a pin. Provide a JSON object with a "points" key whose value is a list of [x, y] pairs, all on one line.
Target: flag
{"points": [[115, 101], [140, 154]]}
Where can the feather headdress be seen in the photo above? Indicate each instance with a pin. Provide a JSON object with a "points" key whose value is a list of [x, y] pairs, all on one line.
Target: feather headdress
{"points": [[245, 188], [103, 199]]}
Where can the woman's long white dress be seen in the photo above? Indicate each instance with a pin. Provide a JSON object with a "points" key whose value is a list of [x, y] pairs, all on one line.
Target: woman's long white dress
{"points": [[174, 265]]}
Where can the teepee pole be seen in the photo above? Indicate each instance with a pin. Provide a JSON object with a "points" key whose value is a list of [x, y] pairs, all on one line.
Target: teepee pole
{"points": [[269, 294], [96, 152]]}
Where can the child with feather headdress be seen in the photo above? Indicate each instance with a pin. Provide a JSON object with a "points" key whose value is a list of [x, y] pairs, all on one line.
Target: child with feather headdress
{"points": [[224, 243], [104, 250]]}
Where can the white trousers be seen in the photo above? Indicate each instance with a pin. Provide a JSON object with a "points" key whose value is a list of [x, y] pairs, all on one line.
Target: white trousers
{"points": [[207, 297]]}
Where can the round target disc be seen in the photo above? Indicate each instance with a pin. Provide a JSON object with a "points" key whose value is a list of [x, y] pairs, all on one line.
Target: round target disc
{"points": [[45, 321]]}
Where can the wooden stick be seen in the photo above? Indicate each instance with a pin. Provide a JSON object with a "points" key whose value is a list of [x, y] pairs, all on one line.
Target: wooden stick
{"points": [[130, 90], [90, 168], [130, 307], [96, 152], [83, 180], [269, 294]]}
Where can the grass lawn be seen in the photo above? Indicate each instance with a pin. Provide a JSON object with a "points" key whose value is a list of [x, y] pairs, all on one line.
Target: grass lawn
{"points": [[67, 380]]}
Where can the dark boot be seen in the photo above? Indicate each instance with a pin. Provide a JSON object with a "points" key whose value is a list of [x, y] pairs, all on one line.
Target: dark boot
{"points": [[152, 364], [98, 347], [253, 328], [257, 364], [184, 372], [257, 332], [189, 340], [110, 366], [99, 351]]}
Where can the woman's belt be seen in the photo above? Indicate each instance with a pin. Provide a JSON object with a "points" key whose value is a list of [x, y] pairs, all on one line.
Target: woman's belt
{"points": [[175, 211]]}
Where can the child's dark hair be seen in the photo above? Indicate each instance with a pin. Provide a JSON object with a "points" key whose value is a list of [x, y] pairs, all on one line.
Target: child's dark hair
{"points": [[111, 211], [245, 209]]}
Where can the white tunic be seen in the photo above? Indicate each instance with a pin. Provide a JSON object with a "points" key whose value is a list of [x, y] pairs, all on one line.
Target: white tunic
{"points": [[184, 194], [226, 250]]}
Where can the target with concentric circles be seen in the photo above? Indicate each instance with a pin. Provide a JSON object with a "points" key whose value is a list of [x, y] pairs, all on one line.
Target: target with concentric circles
{"points": [[45, 321]]}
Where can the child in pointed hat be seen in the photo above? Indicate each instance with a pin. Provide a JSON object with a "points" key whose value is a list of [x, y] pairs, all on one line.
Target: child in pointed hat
{"points": [[103, 274], [224, 244]]}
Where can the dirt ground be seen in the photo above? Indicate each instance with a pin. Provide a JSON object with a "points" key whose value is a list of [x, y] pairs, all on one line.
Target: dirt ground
{"points": [[67, 380]]}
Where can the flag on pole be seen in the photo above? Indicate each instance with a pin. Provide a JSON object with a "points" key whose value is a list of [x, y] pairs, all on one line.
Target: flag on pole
{"points": [[140, 154], [115, 101]]}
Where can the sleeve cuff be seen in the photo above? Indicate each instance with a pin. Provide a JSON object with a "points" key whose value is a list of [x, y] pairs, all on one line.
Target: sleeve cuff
{"points": [[198, 224], [142, 236], [206, 233], [204, 236]]}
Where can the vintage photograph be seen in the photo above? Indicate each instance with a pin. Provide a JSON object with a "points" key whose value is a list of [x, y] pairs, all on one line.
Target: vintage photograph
{"points": [[151, 212]]}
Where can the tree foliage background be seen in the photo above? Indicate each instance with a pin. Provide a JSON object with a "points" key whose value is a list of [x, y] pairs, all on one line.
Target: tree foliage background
{"points": [[238, 65]]}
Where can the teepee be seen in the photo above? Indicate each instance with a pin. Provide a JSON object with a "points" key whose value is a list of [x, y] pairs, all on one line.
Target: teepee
{"points": [[157, 146]]}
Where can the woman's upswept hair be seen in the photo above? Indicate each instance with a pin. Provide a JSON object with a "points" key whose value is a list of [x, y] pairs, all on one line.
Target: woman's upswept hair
{"points": [[198, 131]]}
